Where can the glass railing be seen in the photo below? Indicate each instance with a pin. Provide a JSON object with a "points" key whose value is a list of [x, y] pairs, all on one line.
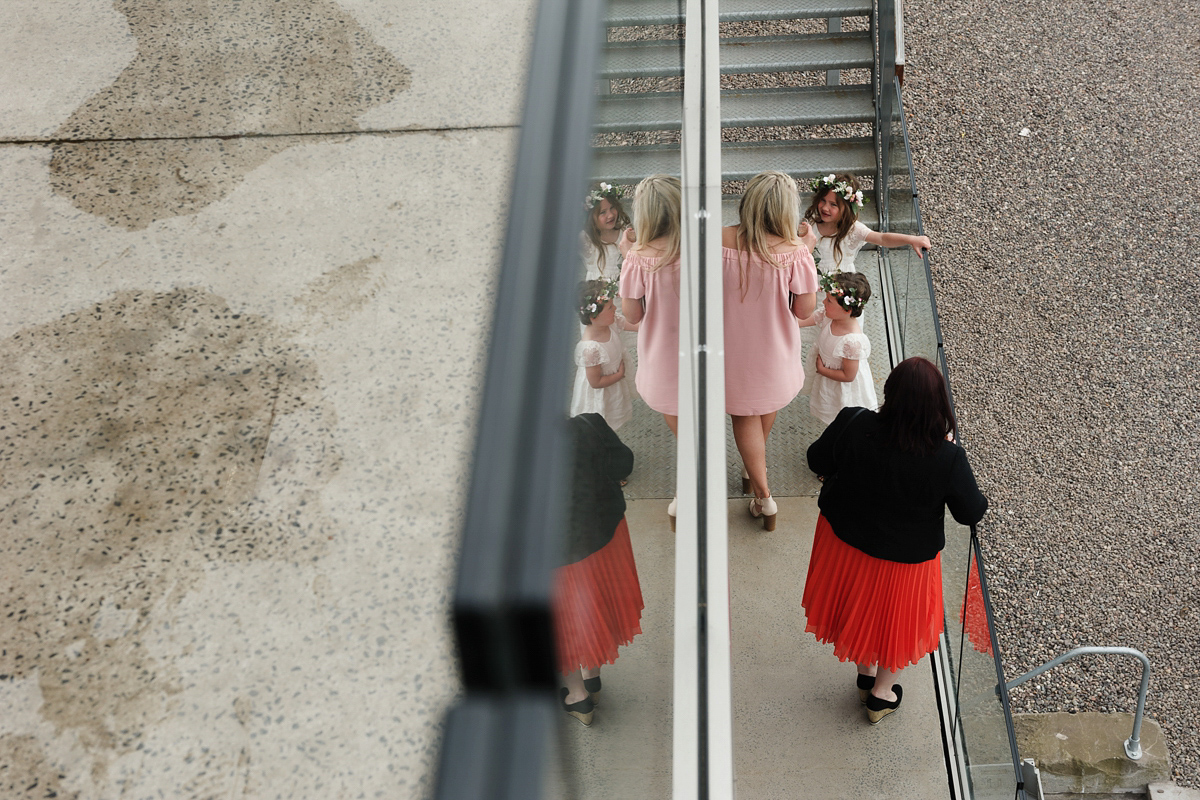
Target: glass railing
{"points": [[977, 721], [572, 590], [569, 576]]}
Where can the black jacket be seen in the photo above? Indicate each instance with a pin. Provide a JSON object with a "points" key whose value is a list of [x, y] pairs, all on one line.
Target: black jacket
{"points": [[600, 461], [888, 503]]}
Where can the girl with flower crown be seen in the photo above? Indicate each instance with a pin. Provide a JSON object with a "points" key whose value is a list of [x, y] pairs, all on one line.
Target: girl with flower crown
{"points": [[600, 383], [833, 212], [606, 220], [842, 376]]}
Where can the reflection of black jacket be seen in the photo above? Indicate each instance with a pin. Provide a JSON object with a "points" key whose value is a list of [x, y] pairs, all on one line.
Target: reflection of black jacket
{"points": [[600, 461], [888, 503]]}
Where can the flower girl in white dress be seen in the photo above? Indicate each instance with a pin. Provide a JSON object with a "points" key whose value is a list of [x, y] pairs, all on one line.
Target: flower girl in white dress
{"points": [[833, 214], [843, 376], [601, 386]]}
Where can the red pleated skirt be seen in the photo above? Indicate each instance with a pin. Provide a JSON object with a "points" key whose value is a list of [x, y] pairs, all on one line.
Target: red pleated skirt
{"points": [[872, 611], [597, 605]]}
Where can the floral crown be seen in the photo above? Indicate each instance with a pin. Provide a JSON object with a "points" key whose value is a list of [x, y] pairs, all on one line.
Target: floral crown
{"points": [[595, 297], [843, 189], [845, 296], [603, 191]]}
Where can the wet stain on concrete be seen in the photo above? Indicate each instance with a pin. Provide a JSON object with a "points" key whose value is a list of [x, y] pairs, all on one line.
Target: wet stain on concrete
{"points": [[140, 439], [222, 68], [342, 291]]}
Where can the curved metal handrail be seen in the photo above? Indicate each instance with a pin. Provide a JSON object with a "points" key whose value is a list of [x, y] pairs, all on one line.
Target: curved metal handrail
{"points": [[1133, 745]]}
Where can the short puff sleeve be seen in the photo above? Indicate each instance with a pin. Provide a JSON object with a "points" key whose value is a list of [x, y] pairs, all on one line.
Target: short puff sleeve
{"points": [[589, 354], [854, 346], [856, 237], [803, 277], [633, 279]]}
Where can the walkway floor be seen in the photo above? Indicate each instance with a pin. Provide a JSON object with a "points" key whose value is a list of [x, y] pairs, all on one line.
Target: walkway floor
{"points": [[800, 731]]}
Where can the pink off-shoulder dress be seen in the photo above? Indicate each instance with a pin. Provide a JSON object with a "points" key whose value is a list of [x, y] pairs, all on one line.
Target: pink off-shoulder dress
{"points": [[763, 367], [658, 336]]}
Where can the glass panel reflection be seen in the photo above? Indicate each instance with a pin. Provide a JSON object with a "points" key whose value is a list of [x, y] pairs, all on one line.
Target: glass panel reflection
{"points": [[614, 593]]}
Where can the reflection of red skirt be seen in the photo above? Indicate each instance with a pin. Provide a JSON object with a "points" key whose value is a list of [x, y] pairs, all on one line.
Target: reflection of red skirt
{"points": [[974, 614], [597, 605], [872, 611]]}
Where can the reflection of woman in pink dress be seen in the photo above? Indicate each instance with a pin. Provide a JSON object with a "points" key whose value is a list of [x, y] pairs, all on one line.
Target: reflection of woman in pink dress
{"points": [[770, 282], [650, 295]]}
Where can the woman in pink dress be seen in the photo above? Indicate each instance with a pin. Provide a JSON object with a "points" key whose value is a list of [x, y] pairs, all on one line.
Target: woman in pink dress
{"points": [[770, 281], [650, 295]]}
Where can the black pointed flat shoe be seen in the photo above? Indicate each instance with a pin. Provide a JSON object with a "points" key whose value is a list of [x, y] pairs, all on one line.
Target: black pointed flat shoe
{"points": [[582, 711], [865, 684], [878, 709]]}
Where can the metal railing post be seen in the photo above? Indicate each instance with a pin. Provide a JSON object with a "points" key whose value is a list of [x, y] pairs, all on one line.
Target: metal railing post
{"points": [[885, 73], [1133, 745]]}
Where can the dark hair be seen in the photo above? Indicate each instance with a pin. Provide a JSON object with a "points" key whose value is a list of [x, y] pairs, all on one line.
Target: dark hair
{"points": [[598, 292], [857, 286], [916, 412], [845, 221]]}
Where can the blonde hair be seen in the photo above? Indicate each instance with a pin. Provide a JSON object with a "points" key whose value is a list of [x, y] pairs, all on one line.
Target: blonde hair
{"points": [[657, 210], [769, 207]]}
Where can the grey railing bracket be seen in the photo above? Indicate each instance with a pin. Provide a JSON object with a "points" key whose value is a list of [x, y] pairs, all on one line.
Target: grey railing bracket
{"points": [[1133, 745]]}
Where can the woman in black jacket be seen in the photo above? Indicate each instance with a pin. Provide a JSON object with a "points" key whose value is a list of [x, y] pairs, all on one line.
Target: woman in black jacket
{"points": [[874, 587], [597, 596]]}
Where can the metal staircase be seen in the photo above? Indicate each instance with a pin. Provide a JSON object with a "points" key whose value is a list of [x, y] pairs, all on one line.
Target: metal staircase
{"points": [[807, 107]]}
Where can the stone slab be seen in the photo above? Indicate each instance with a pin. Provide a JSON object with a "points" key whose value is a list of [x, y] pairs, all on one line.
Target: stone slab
{"points": [[235, 450], [1086, 752], [93, 69]]}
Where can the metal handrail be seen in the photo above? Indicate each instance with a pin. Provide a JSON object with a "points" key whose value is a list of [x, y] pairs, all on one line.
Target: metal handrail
{"points": [[1133, 745], [896, 107]]}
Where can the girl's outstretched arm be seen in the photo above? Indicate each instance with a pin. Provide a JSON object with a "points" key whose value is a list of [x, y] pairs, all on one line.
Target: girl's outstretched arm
{"points": [[845, 374], [917, 243], [808, 321]]}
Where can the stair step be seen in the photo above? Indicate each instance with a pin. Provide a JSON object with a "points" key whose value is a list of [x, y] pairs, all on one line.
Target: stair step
{"points": [[802, 159], [807, 105], [667, 12], [797, 53]]}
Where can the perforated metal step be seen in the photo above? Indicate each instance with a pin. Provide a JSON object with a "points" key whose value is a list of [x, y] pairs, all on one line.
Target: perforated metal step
{"points": [[808, 105], [803, 159], [669, 12], [798, 53]]}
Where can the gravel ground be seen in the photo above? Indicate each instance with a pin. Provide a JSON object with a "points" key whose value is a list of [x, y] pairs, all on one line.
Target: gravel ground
{"points": [[1069, 295]]}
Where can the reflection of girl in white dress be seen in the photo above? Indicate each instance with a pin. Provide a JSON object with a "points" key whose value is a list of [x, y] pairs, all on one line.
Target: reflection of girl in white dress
{"points": [[834, 214], [842, 376], [601, 385], [598, 240]]}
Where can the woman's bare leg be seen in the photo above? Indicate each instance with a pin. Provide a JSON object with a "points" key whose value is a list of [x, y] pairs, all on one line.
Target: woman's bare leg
{"points": [[672, 423], [575, 689], [749, 433], [884, 679]]}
